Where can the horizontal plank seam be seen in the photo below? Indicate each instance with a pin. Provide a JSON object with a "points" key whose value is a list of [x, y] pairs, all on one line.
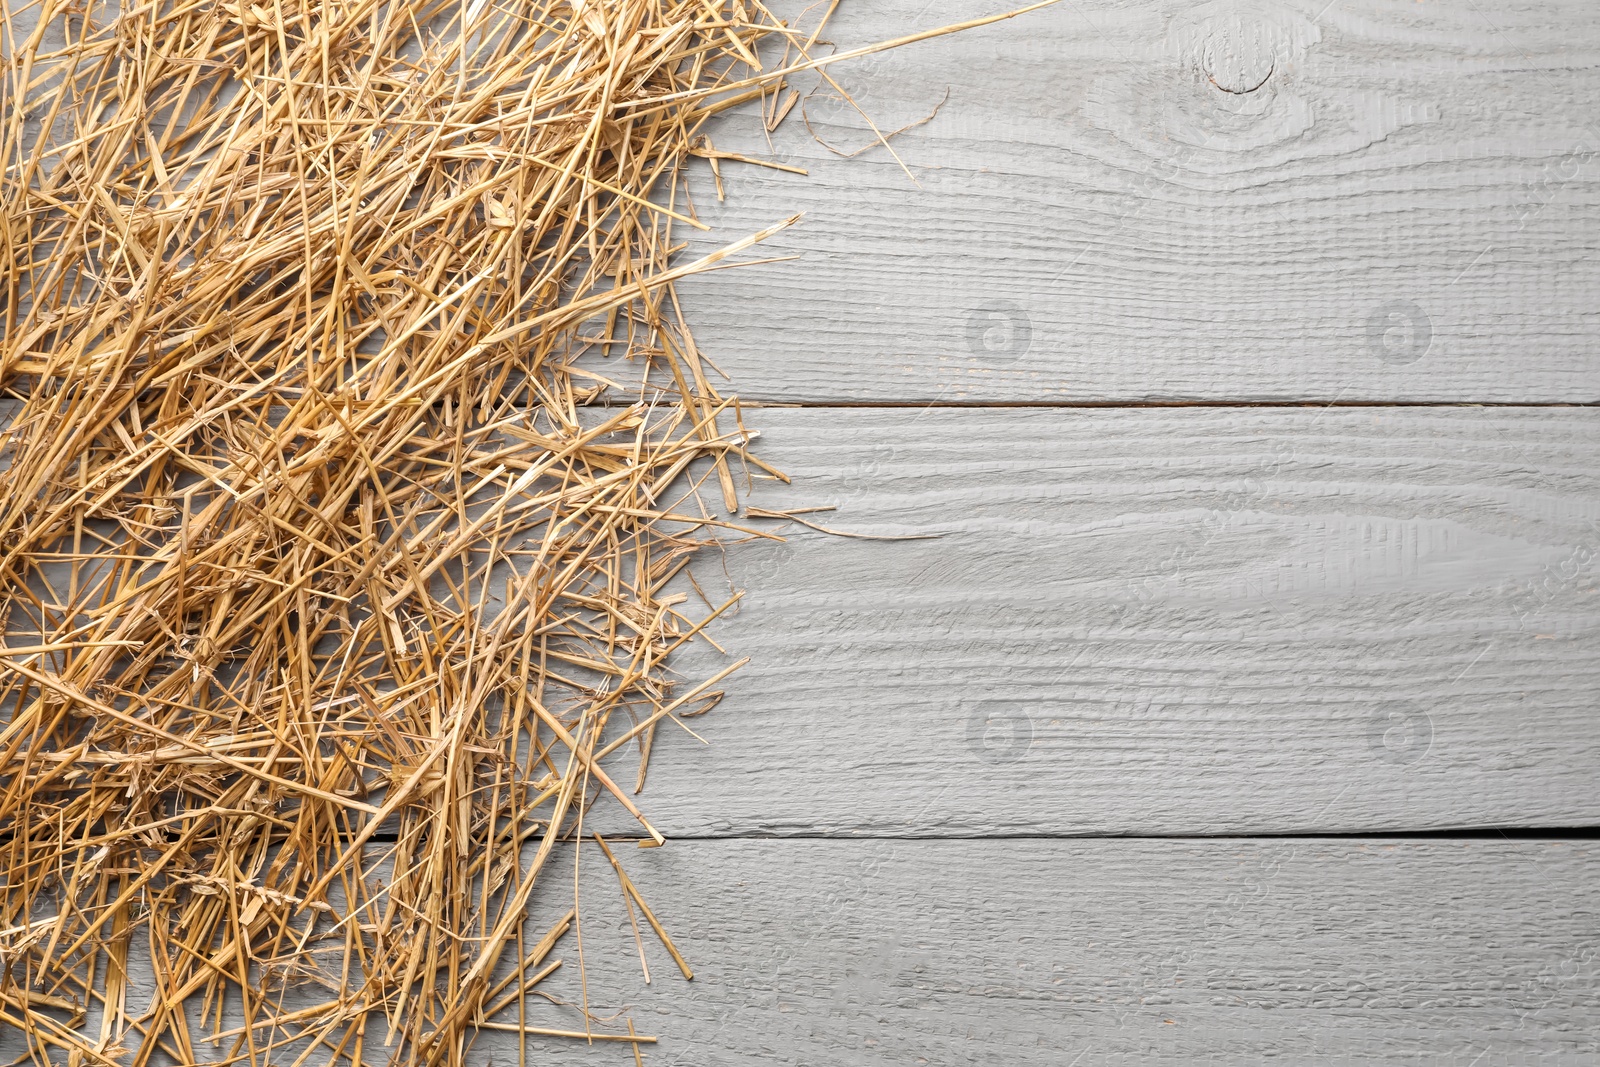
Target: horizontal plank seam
{"points": [[919, 405], [748, 403], [1510, 833], [1471, 833]]}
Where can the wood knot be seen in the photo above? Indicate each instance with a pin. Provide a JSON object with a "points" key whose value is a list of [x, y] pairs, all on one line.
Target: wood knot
{"points": [[1239, 55], [1238, 46]]}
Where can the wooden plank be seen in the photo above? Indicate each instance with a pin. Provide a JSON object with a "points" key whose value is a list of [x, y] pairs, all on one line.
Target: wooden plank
{"points": [[1122, 952], [1026, 952], [1157, 621], [1137, 199]]}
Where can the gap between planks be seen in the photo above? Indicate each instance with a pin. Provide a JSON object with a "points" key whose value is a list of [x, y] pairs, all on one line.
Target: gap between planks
{"points": [[979, 405], [1469, 833]]}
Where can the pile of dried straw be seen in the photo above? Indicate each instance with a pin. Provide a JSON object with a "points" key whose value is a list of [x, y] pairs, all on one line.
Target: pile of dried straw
{"points": [[328, 587]]}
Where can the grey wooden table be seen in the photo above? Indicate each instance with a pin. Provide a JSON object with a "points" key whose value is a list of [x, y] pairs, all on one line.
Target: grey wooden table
{"points": [[1242, 355], [1242, 358]]}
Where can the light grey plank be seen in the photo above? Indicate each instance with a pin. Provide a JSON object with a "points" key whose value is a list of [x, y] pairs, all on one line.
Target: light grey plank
{"points": [[1029, 952], [1158, 621], [1123, 952], [1163, 238]]}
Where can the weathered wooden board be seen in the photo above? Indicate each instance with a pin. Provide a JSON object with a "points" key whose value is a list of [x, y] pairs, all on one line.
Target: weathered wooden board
{"points": [[1136, 952], [1131, 199], [1024, 952], [1158, 621]]}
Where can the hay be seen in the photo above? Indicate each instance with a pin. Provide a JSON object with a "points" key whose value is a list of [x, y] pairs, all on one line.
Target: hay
{"points": [[329, 593]]}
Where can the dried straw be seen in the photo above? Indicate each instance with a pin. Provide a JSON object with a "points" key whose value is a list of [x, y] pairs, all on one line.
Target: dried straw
{"points": [[329, 593]]}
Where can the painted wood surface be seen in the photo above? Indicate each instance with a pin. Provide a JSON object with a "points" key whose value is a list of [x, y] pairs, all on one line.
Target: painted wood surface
{"points": [[1038, 952], [1158, 621], [1148, 621], [1124, 952], [1134, 199]]}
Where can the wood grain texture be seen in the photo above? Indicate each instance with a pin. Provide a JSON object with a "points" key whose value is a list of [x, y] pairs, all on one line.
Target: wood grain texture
{"points": [[1158, 621], [1124, 952], [1141, 199], [1033, 952]]}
